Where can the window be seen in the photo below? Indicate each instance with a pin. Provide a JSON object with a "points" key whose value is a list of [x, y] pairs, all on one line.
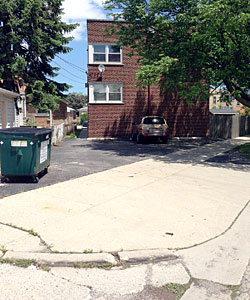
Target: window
{"points": [[155, 120], [99, 53], [214, 99], [237, 103], [106, 54], [105, 93], [41, 112], [114, 53]]}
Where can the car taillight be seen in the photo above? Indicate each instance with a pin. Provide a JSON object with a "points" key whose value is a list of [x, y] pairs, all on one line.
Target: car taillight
{"points": [[140, 127]]}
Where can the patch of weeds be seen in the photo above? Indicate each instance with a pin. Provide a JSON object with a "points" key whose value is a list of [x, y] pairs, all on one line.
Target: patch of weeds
{"points": [[177, 289], [34, 233], [70, 136], [106, 266], [55, 251], [86, 265], [245, 149], [73, 135], [3, 249], [234, 289], [22, 263], [76, 265], [86, 251], [44, 267]]}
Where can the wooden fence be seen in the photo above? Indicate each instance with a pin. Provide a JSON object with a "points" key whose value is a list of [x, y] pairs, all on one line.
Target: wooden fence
{"points": [[228, 126]]}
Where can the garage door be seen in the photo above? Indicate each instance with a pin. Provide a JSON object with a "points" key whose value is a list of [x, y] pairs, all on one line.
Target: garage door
{"points": [[7, 113]]}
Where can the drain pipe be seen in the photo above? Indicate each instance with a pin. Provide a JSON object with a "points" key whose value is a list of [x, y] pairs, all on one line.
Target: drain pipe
{"points": [[149, 100]]}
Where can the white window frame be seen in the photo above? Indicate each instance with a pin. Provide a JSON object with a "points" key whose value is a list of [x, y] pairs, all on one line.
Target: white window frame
{"points": [[41, 114], [107, 101], [106, 62]]}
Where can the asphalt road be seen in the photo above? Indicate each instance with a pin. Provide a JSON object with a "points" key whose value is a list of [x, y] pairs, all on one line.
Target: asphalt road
{"points": [[80, 157]]}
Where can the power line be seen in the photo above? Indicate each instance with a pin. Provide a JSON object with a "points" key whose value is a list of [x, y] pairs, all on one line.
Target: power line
{"points": [[71, 79], [67, 70], [72, 65]]}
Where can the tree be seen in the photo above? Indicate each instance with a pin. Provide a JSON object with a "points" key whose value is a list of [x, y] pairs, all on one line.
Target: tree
{"points": [[31, 35], [188, 46], [76, 100]]}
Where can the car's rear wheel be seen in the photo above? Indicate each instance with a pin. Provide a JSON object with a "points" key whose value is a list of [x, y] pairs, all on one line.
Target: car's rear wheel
{"points": [[164, 140]]}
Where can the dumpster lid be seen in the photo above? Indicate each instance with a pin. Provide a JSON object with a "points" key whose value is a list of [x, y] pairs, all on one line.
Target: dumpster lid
{"points": [[26, 130]]}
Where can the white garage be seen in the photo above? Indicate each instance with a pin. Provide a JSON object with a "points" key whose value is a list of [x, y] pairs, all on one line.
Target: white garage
{"points": [[10, 113]]}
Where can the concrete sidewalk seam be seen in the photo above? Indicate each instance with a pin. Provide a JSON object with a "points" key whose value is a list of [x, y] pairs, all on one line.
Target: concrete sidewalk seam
{"points": [[31, 232]]}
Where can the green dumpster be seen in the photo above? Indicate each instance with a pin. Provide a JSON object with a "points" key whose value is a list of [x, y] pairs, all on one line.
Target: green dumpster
{"points": [[25, 151]]}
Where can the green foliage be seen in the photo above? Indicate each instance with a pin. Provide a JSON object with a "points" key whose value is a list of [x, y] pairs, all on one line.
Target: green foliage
{"points": [[247, 111], [187, 46], [86, 251], [73, 135], [245, 149], [42, 100], [3, 249], [84, 117], [76, 100], [31, 35], [177, 289]]}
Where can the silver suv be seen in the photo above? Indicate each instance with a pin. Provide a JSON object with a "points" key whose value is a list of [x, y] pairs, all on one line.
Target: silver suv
{"points": [[150, 127]]}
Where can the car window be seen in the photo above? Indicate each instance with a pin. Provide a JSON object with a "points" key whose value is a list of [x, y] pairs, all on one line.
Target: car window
{"points": [[153, 120]]}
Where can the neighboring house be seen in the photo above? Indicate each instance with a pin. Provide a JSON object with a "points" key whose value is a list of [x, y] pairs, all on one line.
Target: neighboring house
{"points": [[71, 115], [12, 109], [114, 101], [63, 114], [215, 103], [83, 110]]}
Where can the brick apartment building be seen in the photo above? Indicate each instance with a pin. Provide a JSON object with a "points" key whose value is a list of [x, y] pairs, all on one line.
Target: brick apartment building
{"points": [[114, 101]]}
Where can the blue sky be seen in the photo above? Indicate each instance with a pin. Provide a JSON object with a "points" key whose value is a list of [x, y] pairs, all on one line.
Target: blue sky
{"points": [[77, 11]]}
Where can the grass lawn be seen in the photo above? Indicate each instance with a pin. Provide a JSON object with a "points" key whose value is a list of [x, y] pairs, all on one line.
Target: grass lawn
{"points": [[245, 149]]}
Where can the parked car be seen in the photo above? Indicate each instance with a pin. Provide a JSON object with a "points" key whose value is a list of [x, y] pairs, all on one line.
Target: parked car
{"points": [[150, 127], [85, 124]]}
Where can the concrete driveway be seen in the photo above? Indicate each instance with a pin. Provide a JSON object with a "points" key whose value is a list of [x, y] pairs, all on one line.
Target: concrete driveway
{"points": [[164, 201], [80, 157]]}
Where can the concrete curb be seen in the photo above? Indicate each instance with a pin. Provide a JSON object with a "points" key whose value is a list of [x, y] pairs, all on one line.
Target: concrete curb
{"points": [[62, 260], [72, 260], [143, 256]]}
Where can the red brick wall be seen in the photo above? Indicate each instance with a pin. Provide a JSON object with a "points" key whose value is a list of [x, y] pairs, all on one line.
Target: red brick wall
{"points": [[59, 115], [61, 112], [107, 120]]}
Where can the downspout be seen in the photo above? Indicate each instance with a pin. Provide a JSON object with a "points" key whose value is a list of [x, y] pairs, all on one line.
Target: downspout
{"points": [[50, 119], [149, 100]]}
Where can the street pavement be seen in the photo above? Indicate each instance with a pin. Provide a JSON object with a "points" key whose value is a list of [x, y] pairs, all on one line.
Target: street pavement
{"points": [[166, 223]]}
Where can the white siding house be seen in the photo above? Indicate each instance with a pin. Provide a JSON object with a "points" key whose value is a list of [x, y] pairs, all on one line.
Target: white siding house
{"points": [[12, 109]]}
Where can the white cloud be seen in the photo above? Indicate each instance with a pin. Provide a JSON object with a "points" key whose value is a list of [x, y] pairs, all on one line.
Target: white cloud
{"points": [[100, 2], [77, 11], [82, 9], [78, 32]]}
